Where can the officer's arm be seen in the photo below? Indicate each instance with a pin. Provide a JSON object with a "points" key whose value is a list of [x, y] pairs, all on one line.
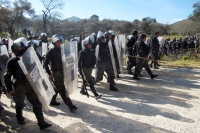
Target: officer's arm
{"points": [[47, 60], [7, 77]]}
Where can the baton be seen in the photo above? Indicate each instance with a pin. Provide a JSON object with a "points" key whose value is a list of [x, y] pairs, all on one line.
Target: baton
{"points": [[144, 58], [14, 96]]}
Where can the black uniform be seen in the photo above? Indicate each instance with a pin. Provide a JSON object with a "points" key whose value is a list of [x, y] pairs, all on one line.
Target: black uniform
{"points": [[104, 64], [86, 62], [22, 88], [53, 58], [154, 49], [130, 48], [142, 51]]}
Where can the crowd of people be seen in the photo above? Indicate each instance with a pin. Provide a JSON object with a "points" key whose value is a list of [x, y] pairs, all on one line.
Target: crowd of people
{"points": [[97, 51], [174, 46]]}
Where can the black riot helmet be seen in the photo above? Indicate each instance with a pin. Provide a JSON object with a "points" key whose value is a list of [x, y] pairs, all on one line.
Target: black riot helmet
{"points": [[43, 36], [20, 43], [57, 37], [129, 37], [100, 37], [109, 33], [87, 41]]}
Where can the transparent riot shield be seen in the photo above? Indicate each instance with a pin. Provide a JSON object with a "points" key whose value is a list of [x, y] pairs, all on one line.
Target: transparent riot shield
{"points": [[69, 55], [97, 61], [112, 59], [44, 49], [82, 44], [3, 61], [51, 46], [37, 77], [3, 56], [119, 57], [160, 39], [10, 43], [122, 47]]}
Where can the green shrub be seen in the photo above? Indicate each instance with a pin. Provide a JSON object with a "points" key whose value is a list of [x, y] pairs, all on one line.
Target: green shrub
{"points": [[185, 57]]}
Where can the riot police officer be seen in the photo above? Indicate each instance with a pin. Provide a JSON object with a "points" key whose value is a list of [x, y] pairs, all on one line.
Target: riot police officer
{"points": [[131, 52], [142, 61], [86, 63], [21, 85], [104, 61], [154, 49], [111, 33], [53, 57]]}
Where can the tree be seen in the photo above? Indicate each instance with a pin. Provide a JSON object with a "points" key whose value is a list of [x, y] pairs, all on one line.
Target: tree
{"points": [[13, 15], [196, 13], [149, 19], [49, 5], [54, 22], [195, 16]]}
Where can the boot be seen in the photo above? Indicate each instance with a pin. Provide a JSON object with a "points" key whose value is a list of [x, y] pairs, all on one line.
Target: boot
{"points": [[68, 102], [19, 116], [155, 66], [97, 96], [71, 107], [112, 88], [53, 101], [135, 77], [129, 71], [151, 74], [39, 115], [44, 125], [83, 90]]}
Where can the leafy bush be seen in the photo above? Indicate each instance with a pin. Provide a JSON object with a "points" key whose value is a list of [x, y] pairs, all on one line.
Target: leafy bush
{"points": [[185, 57]]}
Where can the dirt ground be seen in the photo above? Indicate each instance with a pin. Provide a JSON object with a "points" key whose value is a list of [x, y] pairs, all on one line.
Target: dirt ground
{"points": [[168, 104]]}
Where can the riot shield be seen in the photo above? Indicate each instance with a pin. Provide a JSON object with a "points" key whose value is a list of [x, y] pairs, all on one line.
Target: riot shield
{"points": [[10, 43], [51, 46], [122, 47], [3, 56], [44, 49], [97, 60], [160, 39], [37, 77], [38, 48], [82, 44], [69, 55], [119, 57], [112, 59]]}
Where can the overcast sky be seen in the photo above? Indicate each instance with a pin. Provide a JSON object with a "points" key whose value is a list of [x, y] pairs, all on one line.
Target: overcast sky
{"points": [[165, 11]]}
